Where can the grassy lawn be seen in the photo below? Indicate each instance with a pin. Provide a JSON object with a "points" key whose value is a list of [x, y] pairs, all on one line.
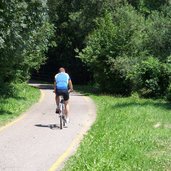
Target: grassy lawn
{"points": [[130, 134], [12, 107]]}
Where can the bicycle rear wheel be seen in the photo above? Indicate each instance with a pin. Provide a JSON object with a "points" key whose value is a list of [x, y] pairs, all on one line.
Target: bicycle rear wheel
{"points": [[61, 123], [63, 115], [64, 121]]}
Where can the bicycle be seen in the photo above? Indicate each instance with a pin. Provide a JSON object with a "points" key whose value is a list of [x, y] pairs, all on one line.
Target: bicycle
{"points": [[62, 112]]}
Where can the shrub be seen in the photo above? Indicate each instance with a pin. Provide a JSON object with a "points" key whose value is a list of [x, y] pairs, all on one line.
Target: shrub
{"points": [[168, 94], [158, 28], [151, 77], [111, 49]]}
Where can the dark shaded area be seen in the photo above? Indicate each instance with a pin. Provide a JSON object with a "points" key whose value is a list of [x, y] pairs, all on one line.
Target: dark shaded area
{"points": [[69, 35], [77, 71], [7, 90], [5, 112], [165, 105], [88, 90]]}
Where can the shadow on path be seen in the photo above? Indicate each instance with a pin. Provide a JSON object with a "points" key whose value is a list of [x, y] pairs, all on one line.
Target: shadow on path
{"points": [[51, 126], [42, 86]]}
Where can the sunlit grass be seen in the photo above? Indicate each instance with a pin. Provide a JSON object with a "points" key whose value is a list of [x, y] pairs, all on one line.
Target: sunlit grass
{"points": [[129, 134], [12, 107]]}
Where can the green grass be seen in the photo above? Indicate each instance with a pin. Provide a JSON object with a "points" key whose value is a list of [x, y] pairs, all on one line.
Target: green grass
{"points": [[12, 107], [130, 134]]}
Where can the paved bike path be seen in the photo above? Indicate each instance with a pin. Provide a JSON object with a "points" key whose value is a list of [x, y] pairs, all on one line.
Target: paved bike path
{"points": [[30, 144]]}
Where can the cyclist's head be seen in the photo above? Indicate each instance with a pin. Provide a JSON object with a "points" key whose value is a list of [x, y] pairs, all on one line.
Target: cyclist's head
{"points": [[61, 69]]}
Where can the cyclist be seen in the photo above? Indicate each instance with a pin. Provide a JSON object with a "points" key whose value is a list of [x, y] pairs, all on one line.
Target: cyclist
{"points": [[61, 84]]}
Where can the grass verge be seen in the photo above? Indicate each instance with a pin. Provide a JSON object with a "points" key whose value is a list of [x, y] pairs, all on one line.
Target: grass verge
{"points": [[12, 107], [130, 134]]}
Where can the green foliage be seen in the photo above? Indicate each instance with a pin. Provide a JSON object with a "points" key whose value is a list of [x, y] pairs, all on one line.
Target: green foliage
{"points": [[158, 28], [122, 41], [155, 4], [24, 37], [146, 6], [112, 49], [98, 46], [112, 37], [74, 20], [168, 95], [69, 34], [151, 77]]}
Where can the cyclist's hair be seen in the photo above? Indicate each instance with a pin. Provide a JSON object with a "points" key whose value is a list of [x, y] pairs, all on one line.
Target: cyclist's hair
{"points": [[61, 69]]}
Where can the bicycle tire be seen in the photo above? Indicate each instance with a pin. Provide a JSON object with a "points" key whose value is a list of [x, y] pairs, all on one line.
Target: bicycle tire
{"points": [[61, 122], [63, 117], [61, 114]]}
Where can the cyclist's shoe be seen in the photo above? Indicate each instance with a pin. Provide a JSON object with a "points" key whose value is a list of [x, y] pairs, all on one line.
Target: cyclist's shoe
{"points": [[57, 110]]}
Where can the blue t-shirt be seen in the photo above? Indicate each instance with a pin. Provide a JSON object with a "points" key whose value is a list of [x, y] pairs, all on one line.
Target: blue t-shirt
{"points": [[62, 79]]}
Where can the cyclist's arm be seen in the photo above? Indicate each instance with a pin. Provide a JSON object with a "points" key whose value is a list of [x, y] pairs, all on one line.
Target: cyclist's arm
{"points": [[70, 85]]}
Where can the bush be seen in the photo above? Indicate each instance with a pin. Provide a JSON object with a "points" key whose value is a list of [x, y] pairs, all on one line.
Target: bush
{"points": [[151, 78], [158, 40], [111, 49], [168, 94]]}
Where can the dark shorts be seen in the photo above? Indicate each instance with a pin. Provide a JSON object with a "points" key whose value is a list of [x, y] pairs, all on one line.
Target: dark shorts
{"points": [[63, 93]]}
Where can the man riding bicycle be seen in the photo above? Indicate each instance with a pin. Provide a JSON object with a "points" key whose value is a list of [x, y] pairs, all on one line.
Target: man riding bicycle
{"points": [[61, 84]]}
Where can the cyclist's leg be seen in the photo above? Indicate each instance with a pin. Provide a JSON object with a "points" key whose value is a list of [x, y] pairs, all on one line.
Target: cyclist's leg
{"points": [[57, 99], [57, 104], [67, 111], [66, 102], [66, 108]]}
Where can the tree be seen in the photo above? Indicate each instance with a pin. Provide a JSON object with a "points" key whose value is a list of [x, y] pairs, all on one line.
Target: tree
{"points": [[113, 48], [74, 20], [146, 6], [25, 35], [69, 34], [158, 28]]}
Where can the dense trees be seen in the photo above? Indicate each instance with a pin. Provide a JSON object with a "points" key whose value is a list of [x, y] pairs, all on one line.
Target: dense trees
{"points": [[69, 35], [122, 46], [129, 50], [24, 37], [113, 47]]}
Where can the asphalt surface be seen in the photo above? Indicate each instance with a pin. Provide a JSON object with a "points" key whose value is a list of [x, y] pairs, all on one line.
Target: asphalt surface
{"points": [[32, 143]]}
